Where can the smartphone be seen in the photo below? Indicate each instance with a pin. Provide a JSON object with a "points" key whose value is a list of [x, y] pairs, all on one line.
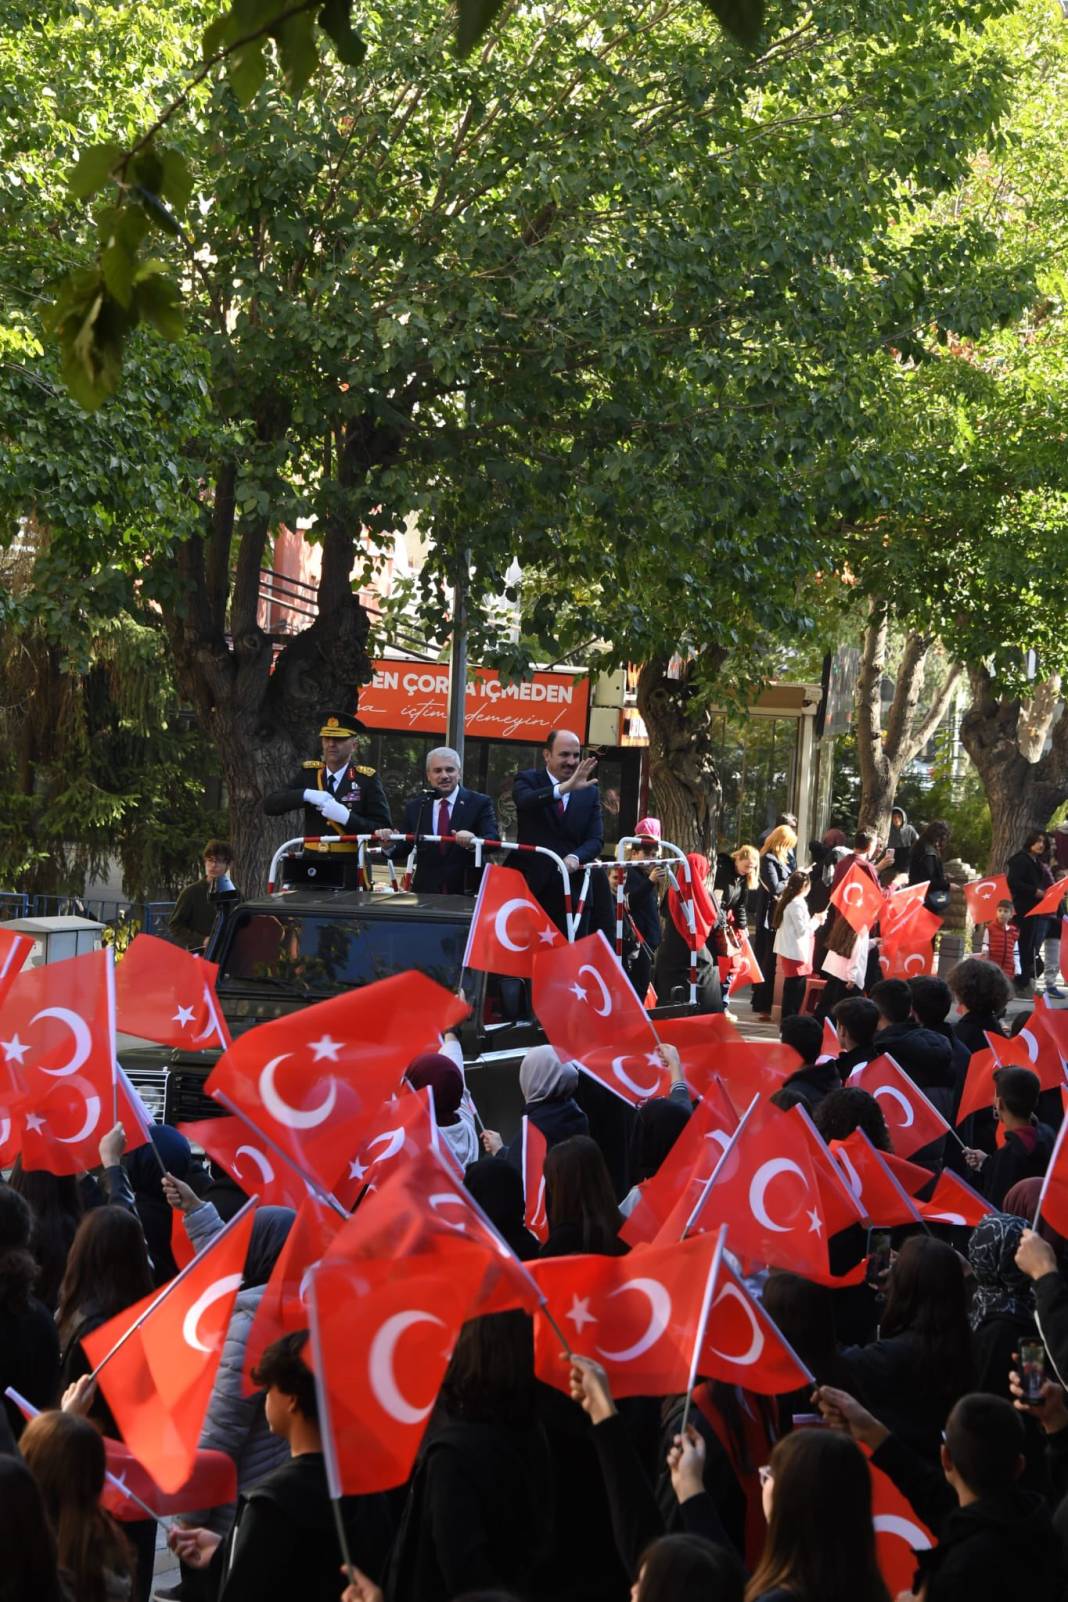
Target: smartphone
{"points": [[878, 1254], [1032, 1369]]}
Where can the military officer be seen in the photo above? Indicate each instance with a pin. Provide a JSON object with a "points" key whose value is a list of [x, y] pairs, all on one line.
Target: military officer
{"points": [[339, 796]]}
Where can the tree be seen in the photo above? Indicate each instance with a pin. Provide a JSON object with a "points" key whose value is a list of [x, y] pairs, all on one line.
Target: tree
{"points": [[612, 298]]}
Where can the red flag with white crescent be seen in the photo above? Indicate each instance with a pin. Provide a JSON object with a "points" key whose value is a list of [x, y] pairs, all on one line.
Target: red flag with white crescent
{"points": [[508, 927], [57, 1031], [167, 994], [240, 1151], [283, 1306], [1049, 905], [900, 906], [911, 1119], [156, 1361], [744, 1346], [404, 1128], [692, 1158], [534, 1147], [746, 970], [858, 898], [314, 1082], [982, 896], [873, 1182], [711, 1049], [899, 1533], [1034, 1046], [591, 1016], [954, 1202]]}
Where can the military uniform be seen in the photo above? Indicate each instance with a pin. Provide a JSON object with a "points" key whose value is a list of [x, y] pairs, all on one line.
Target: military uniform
{"points": [[354, 786]]}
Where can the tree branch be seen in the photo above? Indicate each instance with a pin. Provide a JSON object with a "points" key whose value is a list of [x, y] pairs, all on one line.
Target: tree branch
{"points": [[937, 711]]}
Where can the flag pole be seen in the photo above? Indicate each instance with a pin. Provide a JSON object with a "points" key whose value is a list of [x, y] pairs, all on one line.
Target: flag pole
{"points": [[313, 1184], [702, 1324], [326, 1423], [568, 1353]]}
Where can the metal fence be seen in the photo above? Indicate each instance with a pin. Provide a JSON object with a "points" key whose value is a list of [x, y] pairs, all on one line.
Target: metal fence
{"points": [[149, 916]]}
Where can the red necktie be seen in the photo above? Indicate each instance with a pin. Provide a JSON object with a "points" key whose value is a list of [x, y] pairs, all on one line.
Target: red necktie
{"points": [[443, 822], [559, 806]]}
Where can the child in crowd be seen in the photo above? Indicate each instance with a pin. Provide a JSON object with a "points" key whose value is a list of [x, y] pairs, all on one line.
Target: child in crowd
{"points": [[1001, 941], [795, 928]]}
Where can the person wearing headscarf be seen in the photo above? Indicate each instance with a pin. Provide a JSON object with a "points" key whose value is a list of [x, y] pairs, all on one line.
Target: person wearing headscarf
{"points": [[443, 1073], [169, 1147], [497, 1187], [1022, 1202], [235, 1423], [671, 978], [1003, 1303], [548, 1088]]}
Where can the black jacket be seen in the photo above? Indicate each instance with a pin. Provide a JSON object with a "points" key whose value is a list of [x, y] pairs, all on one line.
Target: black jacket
{"points": [[452, 871], [925, 863], [895, 1379], [29, 1358], [579, 832], [557, 1120], [927, 1058], [1027, 881], [672, 971], [973, 1027], [773, 877], [360, 790], [643, 904], [284, 1543], [815, 1083], [847, 1062], [478, 1515], [1025, 1155]]}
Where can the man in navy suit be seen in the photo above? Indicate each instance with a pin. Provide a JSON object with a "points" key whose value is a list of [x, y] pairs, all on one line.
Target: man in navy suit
{"points": [[557, 806], [445, 807]]}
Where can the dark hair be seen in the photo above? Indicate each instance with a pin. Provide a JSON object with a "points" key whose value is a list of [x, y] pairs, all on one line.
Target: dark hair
{"points": [[657, 1126], [985, 1439], [935, 834], [107, 1269], [18, 1269], [282, 1368], [219, 848], [578, 1191], [65, 1455], [804, 1311], [795, 886], [550, 738], [56, 1204], [1019, 1089], [931, 999], [490, 1377], [1006, 902], [820, 1544], [687, 1568], [26, 1538], [927, 1294], [784, 1098], [843, 1111], [805, 1034], [980, 986], [860, 1016], [1034, 836], [893, 999], [863, 840], [786, 818]]}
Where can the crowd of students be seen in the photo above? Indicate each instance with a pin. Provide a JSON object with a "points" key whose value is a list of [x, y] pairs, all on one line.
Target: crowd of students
{"points": [[522, 1492]]}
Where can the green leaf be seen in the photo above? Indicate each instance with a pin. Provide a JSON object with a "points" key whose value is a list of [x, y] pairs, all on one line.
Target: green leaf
{"points": [[472, 20], [247, 71], [177, 182], [335, 19], [297, 51], [216, 34], [117, 266], [92, 170], [158, 299], [146, 169], [743, 19]]}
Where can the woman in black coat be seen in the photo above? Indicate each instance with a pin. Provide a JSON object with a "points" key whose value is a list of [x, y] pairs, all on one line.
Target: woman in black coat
{"points": [[671, 978], [1027, 883], [29, 1345], [775, 869], [926, 866]]}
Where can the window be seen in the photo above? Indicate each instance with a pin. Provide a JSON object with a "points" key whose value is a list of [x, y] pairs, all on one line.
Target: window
{"points": [[318, 955]]}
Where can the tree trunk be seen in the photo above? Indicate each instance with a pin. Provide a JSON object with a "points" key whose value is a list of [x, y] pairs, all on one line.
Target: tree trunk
{"points": [[1004, 739], [682, 768], [882, 754]]}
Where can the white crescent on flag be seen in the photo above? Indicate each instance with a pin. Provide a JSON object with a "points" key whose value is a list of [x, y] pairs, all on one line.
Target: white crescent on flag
{"points": [[632, 1085], [902, 1101], [500, 924], [756, 1345], [214, 1293], [92, 1118], [260, 1160], [605, 1011], [659, 1318], [280, 1109], [758, 1186], [381, 1370], [894, 1524], [82, 1036]]}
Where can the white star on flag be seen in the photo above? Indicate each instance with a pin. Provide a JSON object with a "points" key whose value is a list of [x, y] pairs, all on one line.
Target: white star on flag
{"points": [[815, 1222], [654, 1059], [547, 936], [356, 1169], [579, 1313], [34, 1122], [578, 992], [325, 1047], [183, 1016], [14, 1050]]}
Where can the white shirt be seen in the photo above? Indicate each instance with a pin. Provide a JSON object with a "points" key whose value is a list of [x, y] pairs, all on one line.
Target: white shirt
{"points": [[566, 797], [450, 802]]}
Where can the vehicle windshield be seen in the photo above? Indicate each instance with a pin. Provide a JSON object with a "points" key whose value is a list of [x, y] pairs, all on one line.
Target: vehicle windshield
{"points": [[299, 954]]}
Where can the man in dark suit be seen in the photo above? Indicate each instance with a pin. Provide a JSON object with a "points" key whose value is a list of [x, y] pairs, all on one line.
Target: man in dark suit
{"points": [[446, 807], [338, 796], [557, 806]]}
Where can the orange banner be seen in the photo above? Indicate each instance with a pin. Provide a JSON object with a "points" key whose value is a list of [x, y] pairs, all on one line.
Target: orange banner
{"points": [[412, 697]]}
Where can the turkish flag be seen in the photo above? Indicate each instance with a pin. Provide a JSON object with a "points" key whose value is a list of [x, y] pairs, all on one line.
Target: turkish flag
{"points": [[979, 1090], [315, 1081], [14, 949], [983, 895], [914, 932], [899, 1533], [58, 1029], [1048, 1020], [910, 1176], [535, 1216], [912, 1121], [240, 1151], [508, 927], [746, 969], [637, 1315], [954, 1202], [767, 1191], [907, 961], [283, 1307], [212, 1483], [1053, 1200], [378, 1375], [743, 1346], [1049, 905], [1034, 1046], [692, 1159], [164, 993], [156, 1361], [403, 1127], [710, 1048], [900, 906], [858, 898], [873, 1182], [830, 1045], [590, 1014]]}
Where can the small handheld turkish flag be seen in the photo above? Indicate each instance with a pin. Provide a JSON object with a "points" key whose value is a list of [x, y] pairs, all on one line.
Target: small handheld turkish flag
{"points": [[314, 1082], [588, 1009], [283, 1306], [743, 1346], [873, 1182], [1049, 905], [912, 1121], [240, 1150], [164, 993], [858, 898], [900, 907], [982, 896], [534, 1215], [899, 1533], [508, 927], [403, 1128], [156, 1361], [746, 970], [693, 1157], [1034, 1046], [954, 1202], [830, 1045]]}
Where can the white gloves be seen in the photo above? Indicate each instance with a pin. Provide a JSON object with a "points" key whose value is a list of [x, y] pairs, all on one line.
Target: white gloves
{"points": [[315, 798], [334, 810]]}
